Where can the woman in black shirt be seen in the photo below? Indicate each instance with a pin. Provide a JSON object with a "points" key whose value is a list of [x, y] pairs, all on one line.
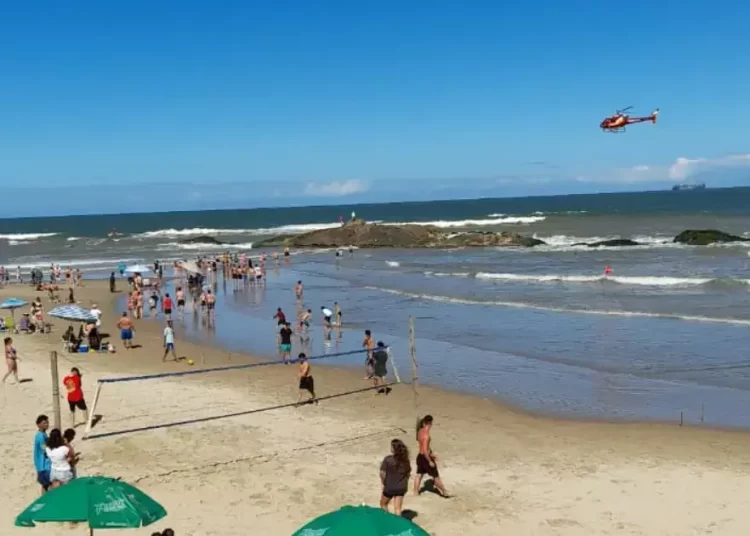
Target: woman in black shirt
{"points": [[394, 475]]}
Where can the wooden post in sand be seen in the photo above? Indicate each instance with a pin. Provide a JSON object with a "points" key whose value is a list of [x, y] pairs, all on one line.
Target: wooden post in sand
{"points": [[414, 366], [55, 388], [92, 414]]}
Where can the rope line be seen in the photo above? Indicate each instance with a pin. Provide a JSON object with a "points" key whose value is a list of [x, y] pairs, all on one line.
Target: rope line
{"points": [[229, 367], [264, 458], [236, 414]]}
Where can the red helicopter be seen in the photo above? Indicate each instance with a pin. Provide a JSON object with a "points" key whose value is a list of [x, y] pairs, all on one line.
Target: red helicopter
{"points": [[621, 119]]}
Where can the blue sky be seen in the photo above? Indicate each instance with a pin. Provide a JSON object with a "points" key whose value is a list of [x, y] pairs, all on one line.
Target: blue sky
{"points": [[284, 102]]}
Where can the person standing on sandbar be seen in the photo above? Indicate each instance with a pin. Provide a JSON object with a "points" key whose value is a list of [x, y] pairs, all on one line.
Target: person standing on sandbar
{"points": [[427, 459]]}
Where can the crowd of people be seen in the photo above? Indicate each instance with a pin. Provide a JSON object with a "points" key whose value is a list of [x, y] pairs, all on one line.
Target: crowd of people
{"points": [[55, 458]]}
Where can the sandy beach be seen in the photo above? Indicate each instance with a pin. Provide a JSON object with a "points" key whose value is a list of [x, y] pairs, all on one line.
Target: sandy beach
{"points": [[269, 472]]}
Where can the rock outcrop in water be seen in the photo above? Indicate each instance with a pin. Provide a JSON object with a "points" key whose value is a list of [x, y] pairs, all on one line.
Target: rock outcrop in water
{"points": [[360, 234], [705, 237], [616, 242], [203, 239]]}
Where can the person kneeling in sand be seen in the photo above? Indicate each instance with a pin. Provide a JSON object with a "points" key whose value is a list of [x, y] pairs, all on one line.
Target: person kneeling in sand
{"points": [[306, 382]]}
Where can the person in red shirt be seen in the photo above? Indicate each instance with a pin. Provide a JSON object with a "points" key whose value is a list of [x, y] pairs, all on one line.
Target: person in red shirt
{"points": [[72, 383], [167, 305]]}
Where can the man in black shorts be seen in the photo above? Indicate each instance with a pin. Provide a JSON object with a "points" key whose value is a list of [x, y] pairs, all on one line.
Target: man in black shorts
{"points": [[306, 382]]}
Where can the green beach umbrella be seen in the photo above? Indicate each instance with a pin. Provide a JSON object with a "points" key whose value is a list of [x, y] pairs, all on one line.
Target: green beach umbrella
{"points": [[360, 521], [105, 503]]}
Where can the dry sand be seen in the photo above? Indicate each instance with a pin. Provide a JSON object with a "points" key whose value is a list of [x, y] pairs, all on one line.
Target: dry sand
{"points": [[267, 473]]}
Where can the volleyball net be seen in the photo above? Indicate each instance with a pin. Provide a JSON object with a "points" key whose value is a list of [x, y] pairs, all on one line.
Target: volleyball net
{"points": [[135, 408]]}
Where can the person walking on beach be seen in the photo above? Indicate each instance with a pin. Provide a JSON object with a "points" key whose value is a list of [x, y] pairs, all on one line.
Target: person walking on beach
{"points": [[169, 342], [327, 317], [427, 459], [379, 367], [139, 304], [306, 382], [11, 360], [41, 461], [285, 341], [72, 383], [299, 291], [394, 476], [210, 302], [180, 295], [167, 306], [368, 344], [280, 317], [60, 456], [112, 286], [125, 325]]}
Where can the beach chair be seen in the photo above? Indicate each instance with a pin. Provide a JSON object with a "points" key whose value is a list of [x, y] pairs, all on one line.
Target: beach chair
{"points": [[10, 325]]}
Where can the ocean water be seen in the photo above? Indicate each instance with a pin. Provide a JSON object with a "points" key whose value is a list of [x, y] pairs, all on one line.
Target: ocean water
{"points": [[667, 332]]}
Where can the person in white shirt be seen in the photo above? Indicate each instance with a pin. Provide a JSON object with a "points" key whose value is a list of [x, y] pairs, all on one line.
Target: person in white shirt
{"points": [[98, 314], [169, 342], [327, 315], [59, 455]]}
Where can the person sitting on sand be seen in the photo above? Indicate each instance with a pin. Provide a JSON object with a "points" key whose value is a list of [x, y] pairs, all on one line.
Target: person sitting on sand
{"points": [[394, 476], [427, 459]]}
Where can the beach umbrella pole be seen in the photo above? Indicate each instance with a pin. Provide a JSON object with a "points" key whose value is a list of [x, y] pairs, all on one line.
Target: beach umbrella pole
{"points": [[55, 388]]}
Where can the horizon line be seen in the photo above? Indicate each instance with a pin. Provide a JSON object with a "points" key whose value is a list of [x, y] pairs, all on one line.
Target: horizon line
{"points": [[353, 204]]}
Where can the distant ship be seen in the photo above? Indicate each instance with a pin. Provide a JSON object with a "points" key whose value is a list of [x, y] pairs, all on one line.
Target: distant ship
{"points": [[684, 187]]}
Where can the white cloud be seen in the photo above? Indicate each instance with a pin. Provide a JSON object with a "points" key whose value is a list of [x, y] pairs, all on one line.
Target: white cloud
{"points": [[681, 169], [684, 168], [336, 188]]}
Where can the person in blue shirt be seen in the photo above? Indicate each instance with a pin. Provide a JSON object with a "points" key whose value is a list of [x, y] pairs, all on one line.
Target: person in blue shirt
{"points": [[41, 461]]}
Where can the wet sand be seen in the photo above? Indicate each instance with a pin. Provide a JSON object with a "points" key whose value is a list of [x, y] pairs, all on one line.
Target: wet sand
{"points": [[271, 471]]}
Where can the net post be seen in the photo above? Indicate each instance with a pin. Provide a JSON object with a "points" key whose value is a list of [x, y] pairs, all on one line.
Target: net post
{"points": [[55, 388], [92, 411], [414, 366], [393, 364]]}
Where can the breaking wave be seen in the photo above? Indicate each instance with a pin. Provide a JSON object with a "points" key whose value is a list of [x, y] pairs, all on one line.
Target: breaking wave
{"points": [[596, 312], [649, 281], [205, 247], [26, 236]]}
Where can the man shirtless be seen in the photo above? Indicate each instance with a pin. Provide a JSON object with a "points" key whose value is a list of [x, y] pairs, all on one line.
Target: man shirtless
{"points": [[306, 382], [125, 325], [299, 291], [427, 459]]}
